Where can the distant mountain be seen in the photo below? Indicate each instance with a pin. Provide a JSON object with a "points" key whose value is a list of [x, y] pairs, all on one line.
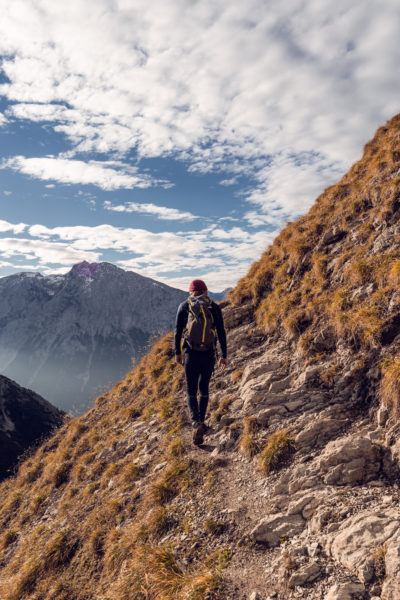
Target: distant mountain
{"points": [[25, 417], [69, 337], [219, 296]]}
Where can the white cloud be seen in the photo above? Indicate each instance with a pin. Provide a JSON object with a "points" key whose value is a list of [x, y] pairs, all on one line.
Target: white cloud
{"points": [[93, 172], [160, 212], [7, 193], [283, 93], [45, 252], [14, 227], [223, 85], [165, 255], [227, 182], [288, 187]]}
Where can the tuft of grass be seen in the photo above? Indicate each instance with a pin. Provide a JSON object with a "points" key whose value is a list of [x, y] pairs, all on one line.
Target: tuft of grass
{"points": [[61, 475], [10, 537], [165, 577], [248, 440], [236, 375], [176, 448], [97, 541], [378, 558], [56, 555], [131, 472], [162, 520], [277, 451], [213, 527], [390, 385], [178, 477], [222, 408], [34, 473]]}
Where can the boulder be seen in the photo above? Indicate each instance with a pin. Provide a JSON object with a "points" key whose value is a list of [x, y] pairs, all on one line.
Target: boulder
{"points": [[346, 591], [306, 574], [391, 586], [272, 530], [358, 539], [346, 461], [350, 460], [305, 504], [318, 432]]}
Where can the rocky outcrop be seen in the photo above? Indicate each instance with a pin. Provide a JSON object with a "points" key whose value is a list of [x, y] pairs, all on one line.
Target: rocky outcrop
{"points": [[275, 529]]}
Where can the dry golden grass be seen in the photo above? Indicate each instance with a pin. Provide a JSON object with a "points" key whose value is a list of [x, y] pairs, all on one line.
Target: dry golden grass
{"points": [[90, 494], [277, 451], [299, 286], [248, 440], [390, 385]]}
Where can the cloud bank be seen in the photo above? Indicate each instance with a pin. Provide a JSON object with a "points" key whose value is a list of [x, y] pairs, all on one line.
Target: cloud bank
{"points": [[222, 254], [102, 174], [283, 94], [160, 212], [207, 81]]}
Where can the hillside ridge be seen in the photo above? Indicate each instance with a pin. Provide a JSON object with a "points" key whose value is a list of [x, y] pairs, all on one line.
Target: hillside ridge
{"points": [[295, 493], [25, 419]]}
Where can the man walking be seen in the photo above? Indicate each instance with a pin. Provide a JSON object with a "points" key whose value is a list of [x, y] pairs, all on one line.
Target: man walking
{"points": [[200, 321]]}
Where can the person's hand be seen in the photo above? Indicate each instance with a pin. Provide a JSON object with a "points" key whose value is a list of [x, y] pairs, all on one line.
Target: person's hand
{"points": [[178, 359], [222, 363]]}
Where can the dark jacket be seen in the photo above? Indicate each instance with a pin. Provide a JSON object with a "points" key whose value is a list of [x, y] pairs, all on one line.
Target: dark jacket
{"points": [[181, 320]]}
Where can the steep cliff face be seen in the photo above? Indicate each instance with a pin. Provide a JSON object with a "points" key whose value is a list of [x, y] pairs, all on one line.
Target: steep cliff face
{"points": [[295, 492], [72, 336], [25, 418]]}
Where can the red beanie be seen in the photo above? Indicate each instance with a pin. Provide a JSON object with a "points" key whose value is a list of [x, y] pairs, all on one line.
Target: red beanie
{"points": [[197, 285]]}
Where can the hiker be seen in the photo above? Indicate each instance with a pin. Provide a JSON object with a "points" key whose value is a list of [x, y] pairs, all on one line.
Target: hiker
{"points": [[200, 321]]}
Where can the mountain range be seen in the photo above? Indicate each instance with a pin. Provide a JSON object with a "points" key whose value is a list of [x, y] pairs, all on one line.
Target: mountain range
{"points": [[70, 337]]}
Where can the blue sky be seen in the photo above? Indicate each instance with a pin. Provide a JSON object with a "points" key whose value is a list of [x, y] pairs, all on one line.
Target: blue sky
{"points": [[177, 138]]}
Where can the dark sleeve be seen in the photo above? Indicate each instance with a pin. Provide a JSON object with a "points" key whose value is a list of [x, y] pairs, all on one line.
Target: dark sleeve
{"points": [[219, 326], [180, 324]]}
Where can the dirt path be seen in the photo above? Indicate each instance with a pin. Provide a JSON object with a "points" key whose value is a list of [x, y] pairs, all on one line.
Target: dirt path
{"points": [[241, 498]]}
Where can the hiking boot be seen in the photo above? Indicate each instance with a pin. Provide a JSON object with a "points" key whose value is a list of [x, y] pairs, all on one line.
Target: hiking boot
{"points": [[206, 428], [198, 435]]}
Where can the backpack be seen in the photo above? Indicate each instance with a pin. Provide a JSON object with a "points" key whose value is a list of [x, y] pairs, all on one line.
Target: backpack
{"points": [[200, 333]]}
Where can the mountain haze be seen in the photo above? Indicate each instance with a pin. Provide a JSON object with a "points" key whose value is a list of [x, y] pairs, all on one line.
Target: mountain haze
{"points": [[70, 337], [295, 492]]}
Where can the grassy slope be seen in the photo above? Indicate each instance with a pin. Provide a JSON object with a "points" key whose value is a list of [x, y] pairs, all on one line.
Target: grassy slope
{"points": [[326, 285], [87, 514], [300, 285]]}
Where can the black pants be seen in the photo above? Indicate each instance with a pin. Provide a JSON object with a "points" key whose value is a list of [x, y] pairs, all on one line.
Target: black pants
{"points": [[199, 367]]}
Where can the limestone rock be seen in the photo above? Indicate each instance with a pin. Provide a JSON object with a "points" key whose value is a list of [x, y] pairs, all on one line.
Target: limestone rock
{"points": [[281, 384], [346, 591], [354, 543], [391, 586], [345, 461], [305, 504], [306, 574], [265, 364], [382, 416], [319, 431], [274, 528], [350, 460]]}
